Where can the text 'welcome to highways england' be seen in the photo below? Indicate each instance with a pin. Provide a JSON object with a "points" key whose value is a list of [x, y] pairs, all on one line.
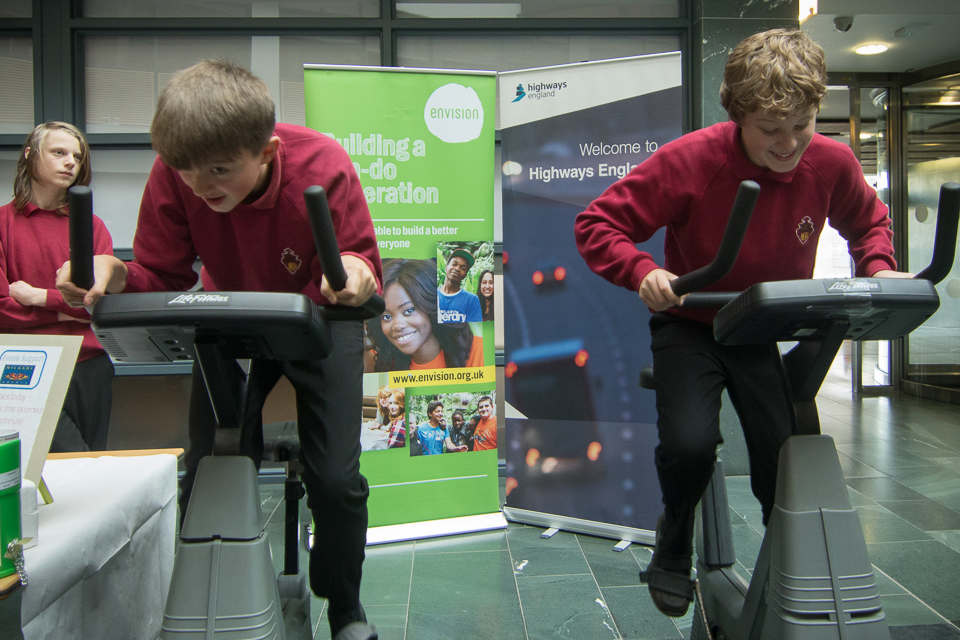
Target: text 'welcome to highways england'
{"points": [[602, 169]]}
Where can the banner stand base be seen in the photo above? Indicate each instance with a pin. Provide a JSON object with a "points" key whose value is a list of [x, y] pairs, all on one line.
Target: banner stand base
{"points": [[435, 528], [577, 525]]}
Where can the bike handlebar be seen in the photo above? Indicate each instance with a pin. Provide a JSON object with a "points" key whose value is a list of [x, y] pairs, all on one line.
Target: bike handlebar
{"points": [[945, 240], [944, 247], [726, 255], [325, 238], [80, 201]]}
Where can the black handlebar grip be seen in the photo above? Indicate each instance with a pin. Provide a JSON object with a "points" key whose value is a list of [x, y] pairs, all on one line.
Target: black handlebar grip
{"points": [[80, 201], [324, 236], [945, 240], [709, 299], [740, 214], [328, 251]]}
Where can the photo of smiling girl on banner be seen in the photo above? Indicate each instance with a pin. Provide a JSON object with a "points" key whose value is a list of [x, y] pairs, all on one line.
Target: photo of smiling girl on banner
{"points": [[408, 335]]}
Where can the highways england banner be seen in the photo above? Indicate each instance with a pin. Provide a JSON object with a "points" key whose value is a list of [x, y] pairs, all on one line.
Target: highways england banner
{"points": [[580, 432], [422, 143]]}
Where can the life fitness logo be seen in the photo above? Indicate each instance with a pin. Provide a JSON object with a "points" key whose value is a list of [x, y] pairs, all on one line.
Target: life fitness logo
{"points": [[453, 113], [200, 298], [854, 285]]}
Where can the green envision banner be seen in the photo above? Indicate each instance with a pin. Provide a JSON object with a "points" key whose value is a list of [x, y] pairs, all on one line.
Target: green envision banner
{"points": [[422, 142]]}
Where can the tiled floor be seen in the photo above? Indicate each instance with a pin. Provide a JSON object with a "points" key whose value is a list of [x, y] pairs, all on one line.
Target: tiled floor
{"points": [[901, 458]]}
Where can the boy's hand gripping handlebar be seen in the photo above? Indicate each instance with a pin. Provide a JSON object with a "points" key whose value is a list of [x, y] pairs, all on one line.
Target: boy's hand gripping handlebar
{"points": [[329, 253]]}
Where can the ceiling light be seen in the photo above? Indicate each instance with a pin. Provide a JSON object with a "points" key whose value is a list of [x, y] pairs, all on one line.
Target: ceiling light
{"points": [[871, 49], [950, 98]]}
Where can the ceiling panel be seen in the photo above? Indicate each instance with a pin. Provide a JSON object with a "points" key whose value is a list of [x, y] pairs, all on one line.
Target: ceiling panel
{"points": [[929, 33]]}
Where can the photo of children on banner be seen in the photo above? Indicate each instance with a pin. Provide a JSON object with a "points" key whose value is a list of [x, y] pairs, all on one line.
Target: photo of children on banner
{"points": [[456, 285], [388, 429], [442, 425], [460, 432], [485, 433], [485, 293], [408, 335], [383, 397]]}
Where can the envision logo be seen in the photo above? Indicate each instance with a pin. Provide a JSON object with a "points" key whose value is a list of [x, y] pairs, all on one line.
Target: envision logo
{"points": [[200, 298], [454, 113], [854, 285]]}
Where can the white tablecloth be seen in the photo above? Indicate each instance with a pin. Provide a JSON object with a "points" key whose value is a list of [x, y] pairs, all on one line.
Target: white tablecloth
{"points": [[104, 556], [373, 439]]}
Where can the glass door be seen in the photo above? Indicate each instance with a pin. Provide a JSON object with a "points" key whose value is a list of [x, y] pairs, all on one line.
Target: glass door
{"points": [[932, 157], [858, 114], [871, 130]]}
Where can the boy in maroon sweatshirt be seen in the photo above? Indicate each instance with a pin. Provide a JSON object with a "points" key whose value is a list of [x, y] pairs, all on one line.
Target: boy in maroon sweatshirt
{"points": [[227, 188], [34, 241], [772, 87]]}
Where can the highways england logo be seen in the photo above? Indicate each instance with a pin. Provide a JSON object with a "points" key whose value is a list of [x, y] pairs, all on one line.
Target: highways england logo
{"points": [[539, 90]]}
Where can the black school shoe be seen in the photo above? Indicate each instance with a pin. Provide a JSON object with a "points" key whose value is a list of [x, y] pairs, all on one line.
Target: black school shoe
{"points": [[352, 626], [668, 580]]}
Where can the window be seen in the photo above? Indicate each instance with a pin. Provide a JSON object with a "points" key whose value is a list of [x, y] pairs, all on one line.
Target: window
{"points": [[126, 51], [540, 9], [124, 75], [16, 85], [230, 9]]}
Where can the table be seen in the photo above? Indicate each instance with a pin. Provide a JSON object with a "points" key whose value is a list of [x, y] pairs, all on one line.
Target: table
{"points": [[373, 438], [105, 549]]}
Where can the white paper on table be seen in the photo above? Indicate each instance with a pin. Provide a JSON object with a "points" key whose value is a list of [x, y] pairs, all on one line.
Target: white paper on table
{"points": [[35, 371]]}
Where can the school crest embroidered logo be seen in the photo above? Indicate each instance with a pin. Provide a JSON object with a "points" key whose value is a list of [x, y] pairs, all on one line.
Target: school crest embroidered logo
{"points": [[805, 229], [291, 260]]}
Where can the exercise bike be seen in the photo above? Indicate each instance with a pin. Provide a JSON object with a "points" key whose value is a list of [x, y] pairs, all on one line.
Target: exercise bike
{"points": [[224, 583], [813, 578]]}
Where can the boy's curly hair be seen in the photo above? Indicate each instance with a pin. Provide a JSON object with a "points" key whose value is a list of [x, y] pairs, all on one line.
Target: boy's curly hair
{"points": [[780, 71]]}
